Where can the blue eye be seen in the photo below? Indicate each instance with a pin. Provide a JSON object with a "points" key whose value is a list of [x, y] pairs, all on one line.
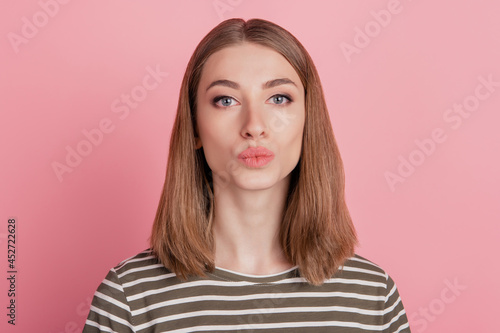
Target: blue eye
{"points": [[224, 101], [280, 99]]}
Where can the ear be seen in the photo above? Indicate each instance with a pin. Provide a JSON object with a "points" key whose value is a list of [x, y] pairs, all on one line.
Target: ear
{"points": [[198, 143]]}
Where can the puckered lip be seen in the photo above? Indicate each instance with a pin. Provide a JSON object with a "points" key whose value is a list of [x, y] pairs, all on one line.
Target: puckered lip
{"points": [[254, 152]]}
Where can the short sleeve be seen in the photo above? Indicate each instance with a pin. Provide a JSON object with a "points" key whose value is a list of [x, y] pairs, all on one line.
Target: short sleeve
{"points": [[395, 319], [109, 311]]}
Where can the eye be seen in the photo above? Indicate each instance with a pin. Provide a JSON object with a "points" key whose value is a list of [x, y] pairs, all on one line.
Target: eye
{"points": [[224, 101], [280, 99]]}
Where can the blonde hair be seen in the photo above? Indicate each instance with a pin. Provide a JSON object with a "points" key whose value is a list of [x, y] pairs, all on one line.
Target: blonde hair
{"points": [[316, 233]]}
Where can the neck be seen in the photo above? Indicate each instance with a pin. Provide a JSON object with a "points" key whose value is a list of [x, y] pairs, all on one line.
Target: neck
{"points": [[246, 229]]}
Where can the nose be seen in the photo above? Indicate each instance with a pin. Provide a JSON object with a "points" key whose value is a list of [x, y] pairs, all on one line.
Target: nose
{"points": [[254, 124]]}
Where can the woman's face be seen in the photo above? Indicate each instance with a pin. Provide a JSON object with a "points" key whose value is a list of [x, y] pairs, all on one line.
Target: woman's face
{"points": [[250, 116]]}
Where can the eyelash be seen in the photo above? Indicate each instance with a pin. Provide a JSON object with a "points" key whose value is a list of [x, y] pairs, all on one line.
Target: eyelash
{"points": [[218, 98]]}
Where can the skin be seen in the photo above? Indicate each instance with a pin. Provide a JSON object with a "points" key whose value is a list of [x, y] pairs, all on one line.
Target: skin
{"points": [[249, 202]]}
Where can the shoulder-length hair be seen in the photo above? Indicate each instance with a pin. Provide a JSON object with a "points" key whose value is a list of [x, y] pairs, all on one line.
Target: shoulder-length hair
{"points": [[316, 233]]}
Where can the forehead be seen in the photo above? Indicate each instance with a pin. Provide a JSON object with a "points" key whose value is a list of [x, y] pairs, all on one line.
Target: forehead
{"points": [[247, 62]]}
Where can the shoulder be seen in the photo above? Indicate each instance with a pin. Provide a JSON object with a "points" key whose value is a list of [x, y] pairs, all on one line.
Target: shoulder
{"points": [[362, 269], [362, 264], [140, 266]]}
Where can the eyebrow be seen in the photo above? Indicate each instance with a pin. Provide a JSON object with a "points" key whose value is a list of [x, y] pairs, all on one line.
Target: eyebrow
{"points": [[267, 85]]}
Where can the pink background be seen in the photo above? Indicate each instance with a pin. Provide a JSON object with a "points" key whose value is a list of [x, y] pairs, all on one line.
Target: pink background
{"points": [[436, 227]]}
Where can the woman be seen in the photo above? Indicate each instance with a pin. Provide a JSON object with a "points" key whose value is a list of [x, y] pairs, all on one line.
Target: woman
{"points": [[252, 231]]}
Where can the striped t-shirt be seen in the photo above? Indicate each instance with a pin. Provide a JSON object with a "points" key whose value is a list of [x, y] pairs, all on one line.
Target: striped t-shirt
{"points": [[141, 295]]}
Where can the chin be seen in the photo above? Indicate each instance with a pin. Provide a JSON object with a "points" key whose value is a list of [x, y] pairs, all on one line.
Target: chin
{"points": [[258, 182]]}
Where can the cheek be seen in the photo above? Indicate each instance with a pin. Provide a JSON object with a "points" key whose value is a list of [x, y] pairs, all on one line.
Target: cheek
{"points": [[207, 130], [290, 142], [294, 131], [215, 147], [296, 141]]}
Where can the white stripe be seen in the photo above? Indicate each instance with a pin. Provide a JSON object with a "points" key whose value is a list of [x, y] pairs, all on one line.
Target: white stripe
{"points": [[99, 326], [396, 318], [392, 307], [148, 279], [112, 285], [129, 260], [136, 255], [365, 261], [402, 327], [257, 276], [113, 301], [202, 283], [393, 290], [111, 316], [356, 281], [139, 269], [282, 325], [362, 270], [336, 280], [289, 280], [255, 297], [263, 311]]}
